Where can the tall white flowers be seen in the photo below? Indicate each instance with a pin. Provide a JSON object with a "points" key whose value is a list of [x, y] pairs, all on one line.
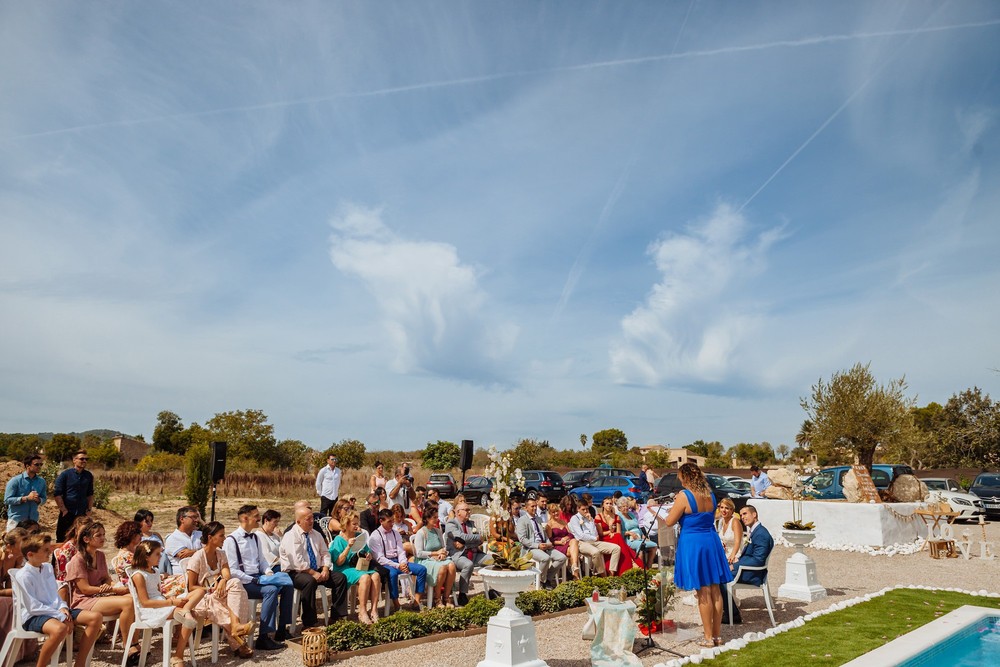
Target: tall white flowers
{"points": [[505, 481]]}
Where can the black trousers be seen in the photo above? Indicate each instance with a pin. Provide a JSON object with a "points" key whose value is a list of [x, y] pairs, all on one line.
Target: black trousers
{"points": [[326, 505], [307, 584], [64, 523]]}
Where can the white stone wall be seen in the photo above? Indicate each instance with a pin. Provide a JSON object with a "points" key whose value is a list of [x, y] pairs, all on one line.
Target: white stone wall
{"points": [[840, 522]]}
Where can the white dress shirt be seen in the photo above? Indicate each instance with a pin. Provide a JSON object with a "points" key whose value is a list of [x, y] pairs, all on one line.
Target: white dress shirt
{"points": [[295, 555], [443, 508], [41, 590], [177, 541], [253, 563], [584, 530], [328, 482], [270, 545], [387, 546]]}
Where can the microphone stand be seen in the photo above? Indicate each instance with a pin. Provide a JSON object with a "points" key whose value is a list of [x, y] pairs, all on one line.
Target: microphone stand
{"points": [[648, 614]]}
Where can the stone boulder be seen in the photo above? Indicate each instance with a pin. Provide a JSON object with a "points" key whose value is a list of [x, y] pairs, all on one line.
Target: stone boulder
{"points": [[908, 489], [851, 490], [782, 477], [778, 492]]}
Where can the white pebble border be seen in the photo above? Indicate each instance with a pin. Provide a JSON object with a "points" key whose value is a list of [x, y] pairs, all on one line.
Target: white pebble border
{"points": [[740, 642], [903, 549]]}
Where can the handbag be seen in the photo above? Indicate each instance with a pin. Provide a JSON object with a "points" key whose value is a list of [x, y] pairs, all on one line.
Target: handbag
{"points": [[276, 579], [364, 563]]}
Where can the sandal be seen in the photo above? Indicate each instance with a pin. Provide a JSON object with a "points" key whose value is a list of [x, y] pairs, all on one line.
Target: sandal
{"points": [[717, 640], [363, 618], [242, 630], [187, 619], [704, 643], [243, 651], [177, 662]]}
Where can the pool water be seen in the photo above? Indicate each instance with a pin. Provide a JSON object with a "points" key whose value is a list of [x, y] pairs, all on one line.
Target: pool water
{"points": [[977, 645]]}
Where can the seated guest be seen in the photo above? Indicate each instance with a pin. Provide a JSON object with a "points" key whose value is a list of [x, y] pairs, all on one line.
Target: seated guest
{"points": [[609, 527], [754, 555], [368, 518], [383, 499], [445, 509], [344, 561], [563, 540], [387, 547], [186, 540], [631, 531], [225, 602], [533, 538], [317, 517], [154, 607], [584, 529], [64, 552], [11, 557], [463, 542], [93, 588], [403, 525], [542, 511], [42, 610], [145, 520], [30, 525], [338, 508], [244, 552], [503, 531], [567, 507], [269, 538], [429, 545], [305, 558], [730, 529], [127, 538]]}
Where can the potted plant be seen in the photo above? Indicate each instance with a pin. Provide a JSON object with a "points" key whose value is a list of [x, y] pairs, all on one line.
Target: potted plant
{"points": [[511, 571], [797, 531]]}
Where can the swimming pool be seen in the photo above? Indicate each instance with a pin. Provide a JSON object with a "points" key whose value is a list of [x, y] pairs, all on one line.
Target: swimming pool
{"points": [[966, 637]]}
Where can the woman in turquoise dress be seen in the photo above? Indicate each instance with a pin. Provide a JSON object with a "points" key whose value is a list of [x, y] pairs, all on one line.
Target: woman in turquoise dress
{"points": [[344, 561], [701, 564], [429, 546], [631, 531]]}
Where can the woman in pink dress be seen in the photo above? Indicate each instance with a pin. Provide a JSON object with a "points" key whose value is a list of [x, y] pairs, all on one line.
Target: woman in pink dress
{"points": [[64, 553], [562, 540]]}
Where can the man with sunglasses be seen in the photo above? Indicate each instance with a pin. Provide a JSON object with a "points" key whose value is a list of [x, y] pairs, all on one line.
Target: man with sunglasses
{"points": [[369, 517], [25, 493], [74, 494]]}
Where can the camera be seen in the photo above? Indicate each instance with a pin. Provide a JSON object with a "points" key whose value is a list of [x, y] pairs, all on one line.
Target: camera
{"points": [[406, 470]]}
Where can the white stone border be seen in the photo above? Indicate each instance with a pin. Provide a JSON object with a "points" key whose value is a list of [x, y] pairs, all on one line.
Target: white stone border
{"points": [[740, 642], [903, 549]]}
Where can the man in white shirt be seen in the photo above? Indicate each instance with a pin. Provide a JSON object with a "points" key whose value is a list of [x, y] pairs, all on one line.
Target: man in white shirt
{"points": [[400, 489], [305, 558], [328, 485], [186, 540], [387, 547], [759, 481], [531, 535], [247, 563], [42, 610], [584, 529]]}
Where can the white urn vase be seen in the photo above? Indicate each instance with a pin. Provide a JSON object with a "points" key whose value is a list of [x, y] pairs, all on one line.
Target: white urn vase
{"points": [[510, 635], [801, 582]]}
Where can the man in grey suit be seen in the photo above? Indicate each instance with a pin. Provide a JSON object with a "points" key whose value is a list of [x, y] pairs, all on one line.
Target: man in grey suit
{"points": [[531, 535], [463, 542]]}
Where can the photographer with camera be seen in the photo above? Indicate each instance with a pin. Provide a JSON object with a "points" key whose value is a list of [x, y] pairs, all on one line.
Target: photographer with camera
{"points": [[400, 489]]}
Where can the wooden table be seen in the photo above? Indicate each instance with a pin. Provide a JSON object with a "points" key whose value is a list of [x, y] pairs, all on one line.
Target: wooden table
{"points": [[932, 519]]}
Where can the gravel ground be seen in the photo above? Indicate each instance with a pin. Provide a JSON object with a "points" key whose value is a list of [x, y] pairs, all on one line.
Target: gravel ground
{"points": [[845, 575]]}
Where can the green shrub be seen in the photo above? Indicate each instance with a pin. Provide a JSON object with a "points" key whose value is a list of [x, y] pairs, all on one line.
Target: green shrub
{"points": [[102, 493], [571, 594], [479, 610], [533, 603], [349, 636], [400, 626], [50, 470], [633, 579], [445, 619], [160, 462], [198, 484]]}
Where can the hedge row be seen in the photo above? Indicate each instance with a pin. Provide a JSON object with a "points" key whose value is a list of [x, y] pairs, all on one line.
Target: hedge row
{"points": [[353, 636]]}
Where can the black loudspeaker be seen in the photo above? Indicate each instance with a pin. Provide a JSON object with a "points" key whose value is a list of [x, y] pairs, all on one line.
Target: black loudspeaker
{"points": [[218, 470], [466, 461]]}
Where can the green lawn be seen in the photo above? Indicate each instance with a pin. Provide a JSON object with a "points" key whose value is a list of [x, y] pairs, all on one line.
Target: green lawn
{"points": [[840, 637]]}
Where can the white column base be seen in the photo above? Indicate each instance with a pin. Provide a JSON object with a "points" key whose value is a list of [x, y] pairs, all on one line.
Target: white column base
{"points": [[801, 582], [510, 641]]}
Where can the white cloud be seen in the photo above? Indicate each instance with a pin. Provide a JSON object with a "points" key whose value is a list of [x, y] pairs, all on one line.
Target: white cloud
{"points": [[689, 330], [433, 307]]}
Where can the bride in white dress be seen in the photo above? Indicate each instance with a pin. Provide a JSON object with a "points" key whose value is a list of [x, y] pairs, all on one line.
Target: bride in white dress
{"points": [[730, 529]]}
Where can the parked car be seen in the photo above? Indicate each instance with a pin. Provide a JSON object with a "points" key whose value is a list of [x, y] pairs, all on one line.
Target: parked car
{"points": [[575, 478], [605, 487], [578, 478], [741, 484], [987, 487], [828, 484], [477, 490], [544, 483], [968, 506], [444, 483], [721, 488]]}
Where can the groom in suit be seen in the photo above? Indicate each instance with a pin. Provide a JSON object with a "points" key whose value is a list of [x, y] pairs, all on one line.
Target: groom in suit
{"points": [[754, 555]]}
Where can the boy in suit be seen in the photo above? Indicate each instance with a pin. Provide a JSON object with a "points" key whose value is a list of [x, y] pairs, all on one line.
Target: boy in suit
{"points": [[754, 555]]}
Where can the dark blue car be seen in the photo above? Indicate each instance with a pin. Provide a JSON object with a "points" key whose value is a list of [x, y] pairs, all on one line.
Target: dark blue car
{"points": [[605, 487]]}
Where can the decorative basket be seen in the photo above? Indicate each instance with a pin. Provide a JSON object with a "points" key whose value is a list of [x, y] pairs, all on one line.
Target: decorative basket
{"points": [[314, 647]]}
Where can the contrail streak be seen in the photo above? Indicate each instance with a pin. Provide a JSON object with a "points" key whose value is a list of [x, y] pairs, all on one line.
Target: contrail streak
{"points": [[472, 80]]}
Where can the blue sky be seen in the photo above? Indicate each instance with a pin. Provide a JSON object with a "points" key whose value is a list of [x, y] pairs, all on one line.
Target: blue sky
{"points": [[410, 221]]}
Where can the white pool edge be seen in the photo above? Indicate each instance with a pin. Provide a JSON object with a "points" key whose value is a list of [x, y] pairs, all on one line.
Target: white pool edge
{"points": [[923, 638]]}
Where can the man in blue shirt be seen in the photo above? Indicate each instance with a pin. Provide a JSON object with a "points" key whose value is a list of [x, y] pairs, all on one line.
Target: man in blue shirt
{"points": [[74, 494], [759, 481], [25, 492]]}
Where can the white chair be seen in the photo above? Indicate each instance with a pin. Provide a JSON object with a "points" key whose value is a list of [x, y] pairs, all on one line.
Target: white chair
{"points": [[18, 634], [147, 634], [324, 595], [734, 585], [215, 639]]}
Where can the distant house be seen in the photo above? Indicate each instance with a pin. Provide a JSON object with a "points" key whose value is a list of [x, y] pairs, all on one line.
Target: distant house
{"points": [[678, 455], [131, 450]]}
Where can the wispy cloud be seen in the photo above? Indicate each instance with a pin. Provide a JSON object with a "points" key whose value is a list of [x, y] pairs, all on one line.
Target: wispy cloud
{"points": [[691, 325], [433, 308]]}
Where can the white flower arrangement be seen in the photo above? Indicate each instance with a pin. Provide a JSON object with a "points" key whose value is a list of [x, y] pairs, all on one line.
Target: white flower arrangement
{"points": [[505, 480]]}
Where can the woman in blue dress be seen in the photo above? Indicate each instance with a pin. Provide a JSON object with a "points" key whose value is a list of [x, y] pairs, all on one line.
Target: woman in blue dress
{"points": [[344, 557], [701, 564]]}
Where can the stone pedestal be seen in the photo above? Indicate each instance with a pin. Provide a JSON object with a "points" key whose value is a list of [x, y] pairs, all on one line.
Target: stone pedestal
{"points": [[510, 635], [801, 582]]}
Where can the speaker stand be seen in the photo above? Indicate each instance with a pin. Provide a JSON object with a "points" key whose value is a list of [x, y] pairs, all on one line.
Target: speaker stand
{"points": [[213, 502]]}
